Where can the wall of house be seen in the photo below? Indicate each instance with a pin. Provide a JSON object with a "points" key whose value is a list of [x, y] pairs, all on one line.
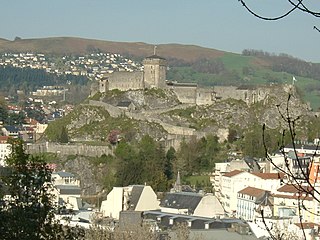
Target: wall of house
{"points": [[293, 203], [246, 208], [114, 203], [230, 186], [5, 150], [209, 206], [148, 200], [174, 210]]}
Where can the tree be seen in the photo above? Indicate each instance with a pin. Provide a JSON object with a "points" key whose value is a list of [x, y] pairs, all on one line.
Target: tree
{"points": [[297, 5], [303, 184], [29, 211], [64, 138], [168, 166]]}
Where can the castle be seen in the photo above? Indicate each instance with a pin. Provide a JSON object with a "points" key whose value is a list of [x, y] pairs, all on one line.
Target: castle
{"points": [[154, 76]]}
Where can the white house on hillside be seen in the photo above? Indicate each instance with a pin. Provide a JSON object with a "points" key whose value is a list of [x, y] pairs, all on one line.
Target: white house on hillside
{"points": [[235, 181], [5, 150], [134, 197], [67, 190], [251, 201]]}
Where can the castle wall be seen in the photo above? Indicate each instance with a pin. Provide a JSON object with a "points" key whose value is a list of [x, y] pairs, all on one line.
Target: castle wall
{"points": [[225, 92], [204, 96], [112, 110], [185, 93], [125, 81], [69, 149]]}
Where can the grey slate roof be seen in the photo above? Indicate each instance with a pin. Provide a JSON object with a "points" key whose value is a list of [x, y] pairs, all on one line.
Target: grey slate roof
{"points": [[69, 189], [64, 174], [181, 200], [163, 220], [135, 196], [11, 128]]}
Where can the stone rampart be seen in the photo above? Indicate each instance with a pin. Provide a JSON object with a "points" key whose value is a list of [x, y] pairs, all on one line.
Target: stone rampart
{"points": [[125, 81], [69, 149], [185, 94], [205, 96], [112, 110]]}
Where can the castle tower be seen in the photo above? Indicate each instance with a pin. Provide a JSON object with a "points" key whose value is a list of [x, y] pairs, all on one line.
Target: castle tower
{"points": [[103, 85], [155, 69]]}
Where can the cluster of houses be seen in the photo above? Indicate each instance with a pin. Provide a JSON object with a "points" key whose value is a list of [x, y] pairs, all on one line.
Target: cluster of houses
{"points": [[92, 65], [134, 204], [259, 192], [30, 130], [249, 197]]}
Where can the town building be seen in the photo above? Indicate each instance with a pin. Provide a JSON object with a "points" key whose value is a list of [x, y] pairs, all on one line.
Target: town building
{"points": [[235, 181], [134, 198]]}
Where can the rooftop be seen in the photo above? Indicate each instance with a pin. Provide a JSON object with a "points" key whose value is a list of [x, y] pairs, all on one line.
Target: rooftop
{"points": [[254, 192]]}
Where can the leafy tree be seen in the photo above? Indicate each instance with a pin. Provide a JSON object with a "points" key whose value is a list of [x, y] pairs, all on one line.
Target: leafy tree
{"points": [[168, 166], [197, 156], [64, 138], [143, 163], [29, 211], [113, 136]]}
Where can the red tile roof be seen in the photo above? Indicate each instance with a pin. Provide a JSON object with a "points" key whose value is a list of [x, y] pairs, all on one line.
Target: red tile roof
{"points": [[269, 175], [308, 198], [4, 139], [254, 192], [291, 188], [307, 225], [233, 173]]}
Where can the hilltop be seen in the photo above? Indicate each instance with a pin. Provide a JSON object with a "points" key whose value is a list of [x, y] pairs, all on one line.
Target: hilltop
{"points": [[189, 63], [70, 45]]}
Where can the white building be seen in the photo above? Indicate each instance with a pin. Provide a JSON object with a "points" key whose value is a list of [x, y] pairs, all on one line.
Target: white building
{"points": [[66, 190], [5, 150], [251, 201], [194, 204], [134, 197], [235, 181]]}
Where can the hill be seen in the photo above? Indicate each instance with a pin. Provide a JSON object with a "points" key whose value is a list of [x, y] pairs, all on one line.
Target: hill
{"points": [[189, 63], [70, 45]]}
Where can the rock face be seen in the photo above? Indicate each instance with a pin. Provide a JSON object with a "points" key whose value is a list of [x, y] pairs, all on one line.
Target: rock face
{"points": [[159, 114], [89, 175]]}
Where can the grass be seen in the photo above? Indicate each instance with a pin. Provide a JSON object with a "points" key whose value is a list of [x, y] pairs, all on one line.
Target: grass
{"points": [[197, 180], [236, 61]]}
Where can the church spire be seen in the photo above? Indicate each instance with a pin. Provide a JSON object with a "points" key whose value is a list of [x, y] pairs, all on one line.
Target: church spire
{"points": [[177, 185]]}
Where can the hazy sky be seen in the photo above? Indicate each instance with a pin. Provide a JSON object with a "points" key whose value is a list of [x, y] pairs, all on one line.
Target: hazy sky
{"points": [[219, 24]]}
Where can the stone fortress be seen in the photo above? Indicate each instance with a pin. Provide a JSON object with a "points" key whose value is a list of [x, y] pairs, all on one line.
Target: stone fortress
{"points": [[154, 76]]}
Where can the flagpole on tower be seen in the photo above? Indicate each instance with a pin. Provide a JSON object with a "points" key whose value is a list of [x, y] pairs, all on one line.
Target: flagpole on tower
{"points": [[154, 50], [293, 80]]}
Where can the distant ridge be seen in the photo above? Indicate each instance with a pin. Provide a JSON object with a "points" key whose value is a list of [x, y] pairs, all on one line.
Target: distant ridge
{"points": [[2, 40], [72, 45]]}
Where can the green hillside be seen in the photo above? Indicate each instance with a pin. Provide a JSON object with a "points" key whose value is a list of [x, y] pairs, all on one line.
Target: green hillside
{"points": [[189, 63]]}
